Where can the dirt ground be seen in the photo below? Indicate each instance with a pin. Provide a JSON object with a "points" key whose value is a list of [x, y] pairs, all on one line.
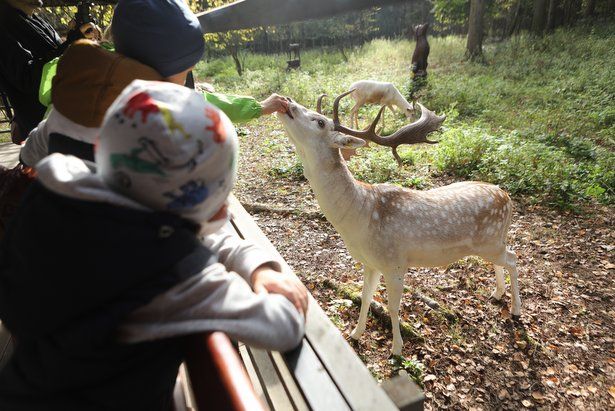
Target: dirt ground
{"points": [[468, 354]]}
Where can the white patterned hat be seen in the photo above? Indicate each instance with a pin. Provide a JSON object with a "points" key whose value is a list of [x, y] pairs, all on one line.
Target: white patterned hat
{"points": [[165, 147]]}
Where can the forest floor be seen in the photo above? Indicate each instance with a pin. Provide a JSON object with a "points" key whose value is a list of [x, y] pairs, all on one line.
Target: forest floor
{"points": [[560, 355]]}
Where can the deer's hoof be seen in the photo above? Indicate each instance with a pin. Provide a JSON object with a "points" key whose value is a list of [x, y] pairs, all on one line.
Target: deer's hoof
{"points": [[356, 334], [497, 295], [397, 346], [516, 317], [396, 350]]}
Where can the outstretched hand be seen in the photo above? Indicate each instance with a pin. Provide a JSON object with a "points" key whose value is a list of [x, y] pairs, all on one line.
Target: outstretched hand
{"points": [[267, 280], [274, 103]]}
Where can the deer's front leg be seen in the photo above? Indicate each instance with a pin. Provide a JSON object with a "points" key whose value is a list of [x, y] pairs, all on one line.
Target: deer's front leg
{"points": [[395, 288], [371, 278], [354, 114], [382, 127]]}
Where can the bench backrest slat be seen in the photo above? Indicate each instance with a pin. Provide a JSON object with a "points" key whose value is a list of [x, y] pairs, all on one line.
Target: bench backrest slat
{"points": [[277, 397], [6, 345]]}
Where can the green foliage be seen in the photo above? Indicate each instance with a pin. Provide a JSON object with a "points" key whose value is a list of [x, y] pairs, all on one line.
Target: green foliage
{"points": [[451, 12], [411, 366], [545, 173], [539, 119]]}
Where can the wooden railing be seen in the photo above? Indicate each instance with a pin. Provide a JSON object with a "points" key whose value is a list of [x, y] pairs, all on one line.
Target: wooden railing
{"points": [[217, 376]]}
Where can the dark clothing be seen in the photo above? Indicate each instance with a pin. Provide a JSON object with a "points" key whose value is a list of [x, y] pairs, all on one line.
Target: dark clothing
{"points": [[70, 272], [26, 44], [59, 143]]}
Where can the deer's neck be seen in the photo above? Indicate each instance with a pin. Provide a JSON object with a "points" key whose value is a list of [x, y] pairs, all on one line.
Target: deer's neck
{"points": [[341, 198], [400, 101]]}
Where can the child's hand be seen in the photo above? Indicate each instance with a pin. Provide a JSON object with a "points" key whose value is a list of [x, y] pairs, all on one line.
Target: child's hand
{"points": [[274, 103], [267, 280]]}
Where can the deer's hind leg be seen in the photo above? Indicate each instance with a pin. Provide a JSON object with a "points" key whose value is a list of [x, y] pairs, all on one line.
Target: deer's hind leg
{"points": [[354, 114], [511, 266], [507, 259], [371, 278], [500, 283]]}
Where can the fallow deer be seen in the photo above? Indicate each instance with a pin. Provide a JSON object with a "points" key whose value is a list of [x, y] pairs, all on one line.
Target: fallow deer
{"points": [[388, 228], [378, 92]]}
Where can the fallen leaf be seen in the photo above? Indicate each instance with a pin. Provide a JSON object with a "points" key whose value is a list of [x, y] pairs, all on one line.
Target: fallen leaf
{"points": [[502, 394], [429, 377], [527, 403], [538, 397], [551, 381], [612, 391]]}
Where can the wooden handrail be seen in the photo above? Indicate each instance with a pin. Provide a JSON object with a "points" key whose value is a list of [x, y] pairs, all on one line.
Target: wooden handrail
{"points": [[218, 378]]}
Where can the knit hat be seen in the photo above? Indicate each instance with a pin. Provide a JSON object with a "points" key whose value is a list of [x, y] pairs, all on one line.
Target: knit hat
{"points": [[165, 147], [164, 34]]}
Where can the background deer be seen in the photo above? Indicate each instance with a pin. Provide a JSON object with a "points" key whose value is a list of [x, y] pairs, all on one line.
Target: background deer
{"points": [[421, 51], [377, 92], [389, 229]]}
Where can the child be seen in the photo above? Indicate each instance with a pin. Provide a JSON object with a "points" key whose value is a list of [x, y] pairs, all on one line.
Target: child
{"points": [[102, 270]]}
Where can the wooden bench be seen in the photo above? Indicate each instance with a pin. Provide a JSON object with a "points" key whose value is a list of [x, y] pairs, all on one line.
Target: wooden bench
{"points": [[6, 345], [7, 114], [324, 372]]}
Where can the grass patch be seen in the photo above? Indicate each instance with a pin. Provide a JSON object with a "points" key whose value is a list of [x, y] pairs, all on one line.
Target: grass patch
{"points": [[413, 368]]}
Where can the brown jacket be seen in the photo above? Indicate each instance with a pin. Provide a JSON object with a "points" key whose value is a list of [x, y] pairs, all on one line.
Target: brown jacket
{"points": [[89, 78]]}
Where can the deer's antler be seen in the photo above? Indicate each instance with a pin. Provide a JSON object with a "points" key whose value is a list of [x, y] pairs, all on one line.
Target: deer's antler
{"points": [[413, 133], [319, 103]]}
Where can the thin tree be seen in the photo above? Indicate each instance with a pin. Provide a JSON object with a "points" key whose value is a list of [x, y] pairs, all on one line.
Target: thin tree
{"points": [[553, 4], [590, 6], [539, 18], [474, 48]]}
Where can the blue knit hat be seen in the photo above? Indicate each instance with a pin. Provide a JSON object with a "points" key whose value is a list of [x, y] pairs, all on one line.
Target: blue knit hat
{"points": [[163, 34]]}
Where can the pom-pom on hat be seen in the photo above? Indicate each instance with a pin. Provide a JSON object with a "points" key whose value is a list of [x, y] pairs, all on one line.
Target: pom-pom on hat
{"points": [[165, 147], [163, 34]]}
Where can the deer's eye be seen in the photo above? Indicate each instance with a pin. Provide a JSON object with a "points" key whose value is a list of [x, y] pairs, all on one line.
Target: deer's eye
{"points": [[321, 123]]}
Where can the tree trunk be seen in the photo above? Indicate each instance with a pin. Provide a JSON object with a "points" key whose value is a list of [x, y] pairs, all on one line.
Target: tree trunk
{"points": [[571, 11], [474, 49], [235, 56], [589, 8], [514, 19], [551, 14], [540, 17]]}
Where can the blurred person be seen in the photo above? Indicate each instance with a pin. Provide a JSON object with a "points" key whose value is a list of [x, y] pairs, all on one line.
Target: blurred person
{"points": [[27, 42]]}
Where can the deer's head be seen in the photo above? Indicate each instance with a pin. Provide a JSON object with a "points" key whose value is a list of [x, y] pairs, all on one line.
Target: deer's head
{"points": [[311, 131], [420, 30], [317, 136]]}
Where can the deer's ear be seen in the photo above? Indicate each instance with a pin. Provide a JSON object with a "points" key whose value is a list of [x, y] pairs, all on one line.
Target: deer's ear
{"points": [[340, 140]]}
